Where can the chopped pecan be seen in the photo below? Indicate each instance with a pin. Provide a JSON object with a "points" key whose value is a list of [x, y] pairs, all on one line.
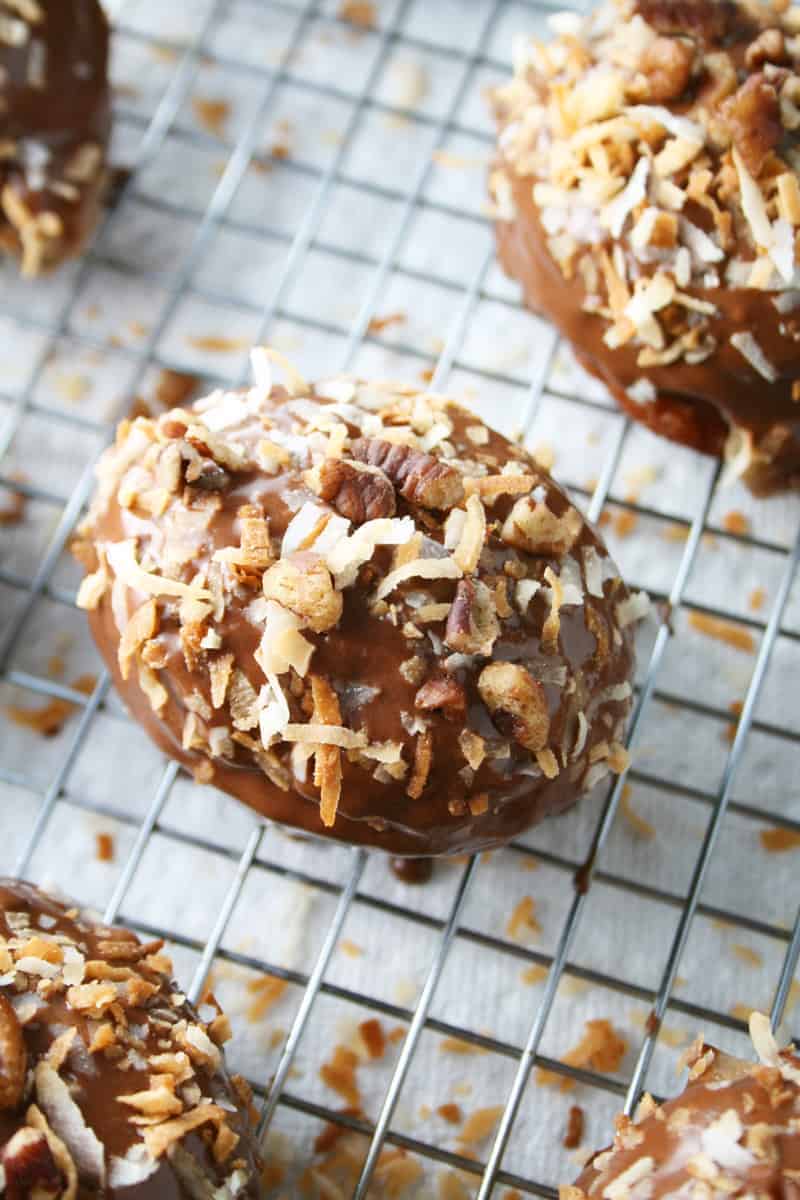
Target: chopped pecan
{"points": [[207, 475], [357, 491], [768, 47], [444, 693], [511, 692], [753, 118], [29, 1166], [667, 65], [534, 527], [419, 478], [706, 20], [304, 585], [472, 626], [13, 1056]]}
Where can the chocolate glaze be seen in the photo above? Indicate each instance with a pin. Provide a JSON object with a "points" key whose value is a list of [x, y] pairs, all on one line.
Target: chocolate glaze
{"points": [[700, 404], [412, 870], [457, 809], [695, 404], [55, 120], [48, 1005], [735, 1125]]}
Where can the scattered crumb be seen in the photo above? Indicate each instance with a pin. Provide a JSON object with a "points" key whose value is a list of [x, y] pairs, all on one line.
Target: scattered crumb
{"points": [[450, 1113], [480, 1124], [409, 84], [747, 954], [378, 324], [215, 344], [625, 522], [361, 13], [12, 507], [453, 1045], [50, 718], [742, 1012], [522, 923], [396, 1034], [573, 1135], [641, 477], [340, 1075], [426, 374], [350, 948], [56, 666], [450, 1187], [104, 847], [372, 1037], [534, 974], [452, 161], [601, 1048], [778, 840], [71, 386], [723, 631], [267, 991], [735, 522], [675, 532], [138, 329], [570, 985], [425, 1112], [166, 54], [735, 709], [757, 599], [327, 1138], [92, 312], [212, 114], [640, 826]]}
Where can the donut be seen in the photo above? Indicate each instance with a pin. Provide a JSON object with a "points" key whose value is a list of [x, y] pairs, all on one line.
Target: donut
{"points": [[646, 197], [363, 575], [733, 1131], [110, 1084], [55, 119]]}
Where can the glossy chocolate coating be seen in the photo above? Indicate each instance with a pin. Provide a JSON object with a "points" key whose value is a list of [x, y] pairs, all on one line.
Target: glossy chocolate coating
{"points": [[55, 119], [66, 976], [734, 1130], [378, 661], [711, 405]]}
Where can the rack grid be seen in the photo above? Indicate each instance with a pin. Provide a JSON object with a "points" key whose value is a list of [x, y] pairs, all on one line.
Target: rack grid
{"points": [[403, 29]]}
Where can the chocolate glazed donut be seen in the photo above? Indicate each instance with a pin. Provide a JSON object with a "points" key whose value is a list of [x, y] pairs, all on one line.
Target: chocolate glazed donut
{"points": [[361, 611], [110, 1083], [55, 120], [733, 1131], [647, 201]]}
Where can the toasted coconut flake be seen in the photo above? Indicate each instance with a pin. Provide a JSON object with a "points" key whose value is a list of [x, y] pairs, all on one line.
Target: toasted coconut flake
{"points": [[763, 1040], [491, 487], [615, 214], [423, 757], [593, 572], [479, 1125], [325, 735], [92, 589], [142, 626], [219, 670], [296, 385], [421, 568], [467, 553], [121, 557], [159, 1138], [753, 204], [723, 631], [260, 364], [61, 1155], [68, 1123], [328, 762], [349, 554], [633, 608], [748, 347], [679, 127]]}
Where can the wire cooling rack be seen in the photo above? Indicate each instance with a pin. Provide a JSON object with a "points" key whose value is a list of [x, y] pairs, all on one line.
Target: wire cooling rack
{"points": [[332, 203]]}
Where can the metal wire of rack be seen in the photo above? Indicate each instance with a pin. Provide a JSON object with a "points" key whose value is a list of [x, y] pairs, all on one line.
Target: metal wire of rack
{"points": [[587, 869]]}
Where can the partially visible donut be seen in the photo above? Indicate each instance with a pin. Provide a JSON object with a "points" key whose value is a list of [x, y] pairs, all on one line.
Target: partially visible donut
{"points": [[110, 1084], [647, 196], [360, 610], [55, 119], [733, 1131]]}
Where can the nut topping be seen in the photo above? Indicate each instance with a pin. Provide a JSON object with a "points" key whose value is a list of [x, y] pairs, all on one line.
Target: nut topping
{"points": [[442, 693], [419, 478], [753, 116], [304, 585], [472, 626], [357, 491], [13, 1057], [509, 691], [667, 65]]}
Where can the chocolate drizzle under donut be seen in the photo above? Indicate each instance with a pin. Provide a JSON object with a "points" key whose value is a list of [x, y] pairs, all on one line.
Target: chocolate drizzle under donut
{"points": [[55, 116]]}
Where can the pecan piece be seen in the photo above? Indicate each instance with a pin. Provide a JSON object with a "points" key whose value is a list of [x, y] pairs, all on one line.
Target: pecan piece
{"points": [[667, 65], [304, 585], [768, 47], [29, 1166], [753, 117], [419, 478], [706, 20], [442, 693], [512, 694], [357, 491], [13, 1057], [472, 624]]}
